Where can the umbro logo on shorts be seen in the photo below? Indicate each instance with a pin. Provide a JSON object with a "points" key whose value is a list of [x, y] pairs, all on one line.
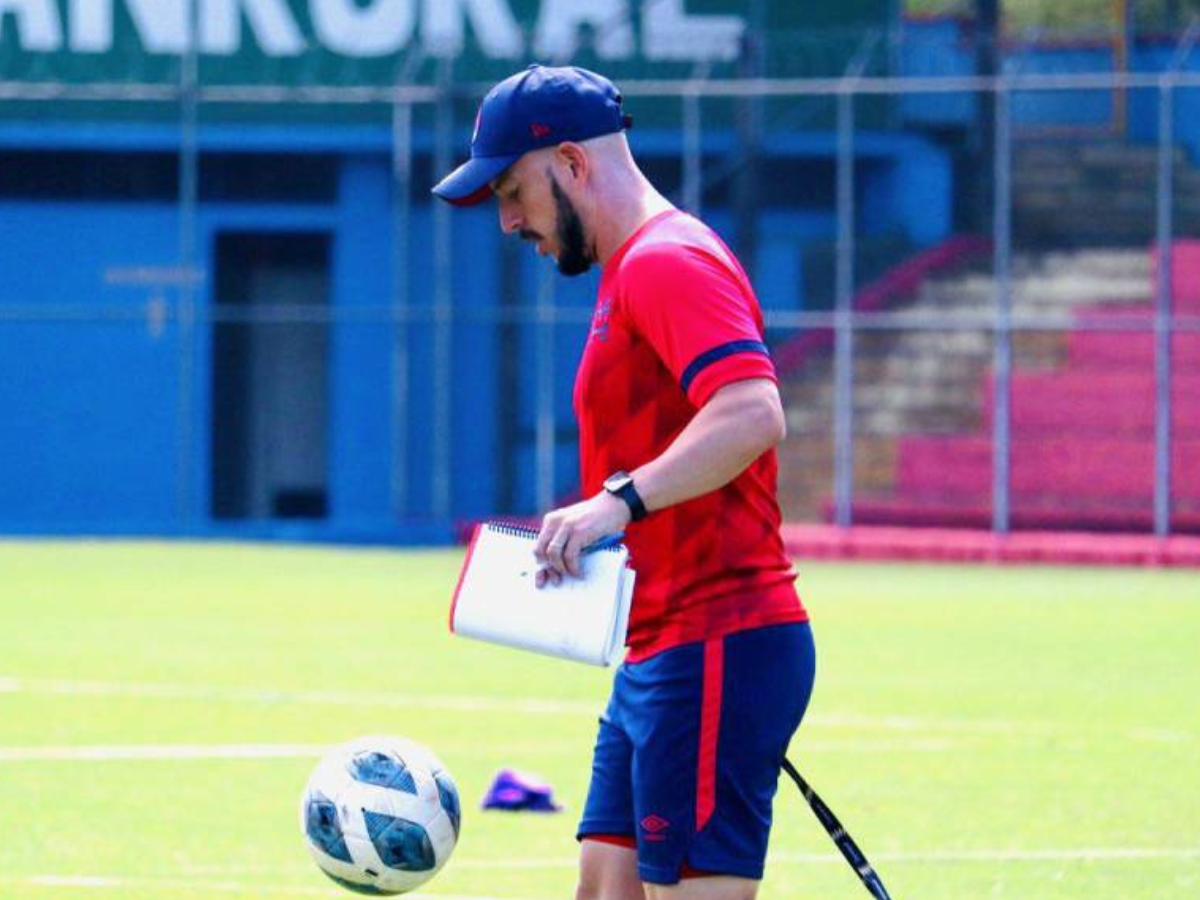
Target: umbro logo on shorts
{"points": [[654, 825]]}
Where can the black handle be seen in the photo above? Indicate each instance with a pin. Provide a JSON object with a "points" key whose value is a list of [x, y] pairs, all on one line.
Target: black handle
{"points": [[845, 843]]}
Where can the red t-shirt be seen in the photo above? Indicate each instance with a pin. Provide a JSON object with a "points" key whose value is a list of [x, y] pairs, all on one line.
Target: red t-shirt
{"points": [[676, 319]]}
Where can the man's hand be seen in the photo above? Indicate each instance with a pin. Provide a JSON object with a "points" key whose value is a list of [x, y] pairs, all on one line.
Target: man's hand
{"points": [[565, 532]]}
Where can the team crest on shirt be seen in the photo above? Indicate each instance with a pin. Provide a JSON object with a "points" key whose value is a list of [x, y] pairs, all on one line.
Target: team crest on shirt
{"points": [[600, 319]]}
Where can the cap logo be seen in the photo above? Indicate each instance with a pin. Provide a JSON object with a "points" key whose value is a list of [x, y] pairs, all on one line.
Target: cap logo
{"points": [[475, 132], [539, 130]]}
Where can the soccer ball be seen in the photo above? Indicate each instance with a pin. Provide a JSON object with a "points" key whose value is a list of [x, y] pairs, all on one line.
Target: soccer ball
{"points": [[380, 815]]}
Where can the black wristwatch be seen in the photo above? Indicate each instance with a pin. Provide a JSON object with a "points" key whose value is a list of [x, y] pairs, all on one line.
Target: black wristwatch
{"points": [[620, 484]]}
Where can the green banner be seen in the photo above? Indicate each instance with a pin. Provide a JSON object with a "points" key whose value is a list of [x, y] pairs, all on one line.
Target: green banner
{"points": [[361, 41], [375, 43]]}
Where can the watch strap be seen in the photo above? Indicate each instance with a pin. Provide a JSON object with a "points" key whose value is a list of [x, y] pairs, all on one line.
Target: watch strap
{"points": [[628, 493]]}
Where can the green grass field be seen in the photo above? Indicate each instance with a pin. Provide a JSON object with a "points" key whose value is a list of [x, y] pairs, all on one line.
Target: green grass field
{"points": [[1005, 733]]}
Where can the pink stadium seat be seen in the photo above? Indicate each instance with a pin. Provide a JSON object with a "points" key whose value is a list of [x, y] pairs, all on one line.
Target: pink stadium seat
{"points": [[1083, 437], [1125, 351], [1185, 275], [1089, 403], [1063, 468]]}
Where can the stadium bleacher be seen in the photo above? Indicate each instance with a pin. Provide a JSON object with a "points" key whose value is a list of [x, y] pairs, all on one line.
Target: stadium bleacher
{"points": [[1083, 436]]}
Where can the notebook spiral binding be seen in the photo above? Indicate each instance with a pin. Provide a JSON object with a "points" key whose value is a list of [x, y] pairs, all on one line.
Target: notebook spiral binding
{"points": [[513, 529]]}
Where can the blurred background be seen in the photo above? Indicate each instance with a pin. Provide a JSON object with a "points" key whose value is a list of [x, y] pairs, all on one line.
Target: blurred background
{"points": [[229, 308]]}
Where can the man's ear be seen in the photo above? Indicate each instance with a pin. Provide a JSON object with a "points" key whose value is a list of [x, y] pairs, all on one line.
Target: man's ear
{"points": [[574, 159]]}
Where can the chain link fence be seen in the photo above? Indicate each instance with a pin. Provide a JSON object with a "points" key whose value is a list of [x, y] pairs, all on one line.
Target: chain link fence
{"points": [[311, 340]]}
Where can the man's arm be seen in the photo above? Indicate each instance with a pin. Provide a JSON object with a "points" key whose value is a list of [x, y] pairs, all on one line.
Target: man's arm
{"points": [[739, 423]]}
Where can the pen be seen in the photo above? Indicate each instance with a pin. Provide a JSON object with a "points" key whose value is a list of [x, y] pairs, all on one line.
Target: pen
{"points": [[604, 543]]}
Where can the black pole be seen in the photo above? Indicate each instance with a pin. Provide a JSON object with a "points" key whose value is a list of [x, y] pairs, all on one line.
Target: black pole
{"points": [[987, 64], [750, 112]]}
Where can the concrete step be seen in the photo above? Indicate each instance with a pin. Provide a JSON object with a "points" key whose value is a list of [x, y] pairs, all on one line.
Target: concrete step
{"points": [[1033, 294], [1095, 229], [1118, 198], [1075, 194], [1092, 154]]}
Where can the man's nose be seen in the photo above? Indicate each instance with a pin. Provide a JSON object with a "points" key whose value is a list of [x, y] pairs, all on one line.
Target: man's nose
{"points": [[510, 220]]}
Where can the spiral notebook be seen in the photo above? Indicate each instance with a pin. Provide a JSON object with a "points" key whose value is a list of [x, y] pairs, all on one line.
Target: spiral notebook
{"points": [[497, 600]]}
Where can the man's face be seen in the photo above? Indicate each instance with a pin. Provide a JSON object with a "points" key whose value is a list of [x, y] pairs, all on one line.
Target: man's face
{"points": [[534, 205]]}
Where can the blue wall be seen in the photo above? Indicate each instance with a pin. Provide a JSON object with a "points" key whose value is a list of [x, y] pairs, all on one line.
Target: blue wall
{"points": [[90, 431], [95, 436]]}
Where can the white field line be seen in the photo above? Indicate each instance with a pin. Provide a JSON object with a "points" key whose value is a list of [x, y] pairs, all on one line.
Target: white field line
{"points": [[257, 880], [1083, 854], [266, 696], [114, 752], [180, 752], [1066, 854], [525, 706], [106, 883]]}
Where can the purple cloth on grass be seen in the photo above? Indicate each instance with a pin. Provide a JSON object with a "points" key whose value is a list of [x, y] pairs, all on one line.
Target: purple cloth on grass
{"points": [[513, 790]]}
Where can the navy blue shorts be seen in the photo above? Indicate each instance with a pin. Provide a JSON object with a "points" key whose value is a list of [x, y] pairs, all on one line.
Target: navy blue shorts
{"points": [[689, 751]]}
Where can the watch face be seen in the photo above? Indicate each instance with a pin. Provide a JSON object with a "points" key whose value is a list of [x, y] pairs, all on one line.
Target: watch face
{"points": [[616, 482]]}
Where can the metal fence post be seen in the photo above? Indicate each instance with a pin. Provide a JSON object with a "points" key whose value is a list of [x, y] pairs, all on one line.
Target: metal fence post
{"points": [[843, 389], [189, 82], [546, 429], [1002, 338], [1162, 312], [693, 150], [443, 299], [402, 113]]}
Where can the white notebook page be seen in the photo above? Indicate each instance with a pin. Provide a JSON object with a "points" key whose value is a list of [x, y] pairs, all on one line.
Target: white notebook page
{"points": [[581, 618]]}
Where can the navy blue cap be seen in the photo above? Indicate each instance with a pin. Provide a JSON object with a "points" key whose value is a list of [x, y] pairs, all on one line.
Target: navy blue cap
{"points": [[541, 106]]}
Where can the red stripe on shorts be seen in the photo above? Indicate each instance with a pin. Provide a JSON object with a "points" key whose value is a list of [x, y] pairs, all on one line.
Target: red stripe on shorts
{"points": [[710, 727]]}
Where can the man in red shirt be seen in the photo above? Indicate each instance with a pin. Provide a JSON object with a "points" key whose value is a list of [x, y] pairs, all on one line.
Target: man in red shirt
{"points": [[679, 414]]}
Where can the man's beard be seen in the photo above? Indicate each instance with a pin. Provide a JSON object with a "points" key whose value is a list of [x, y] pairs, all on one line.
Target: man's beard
{"points": [[573, 258]]}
